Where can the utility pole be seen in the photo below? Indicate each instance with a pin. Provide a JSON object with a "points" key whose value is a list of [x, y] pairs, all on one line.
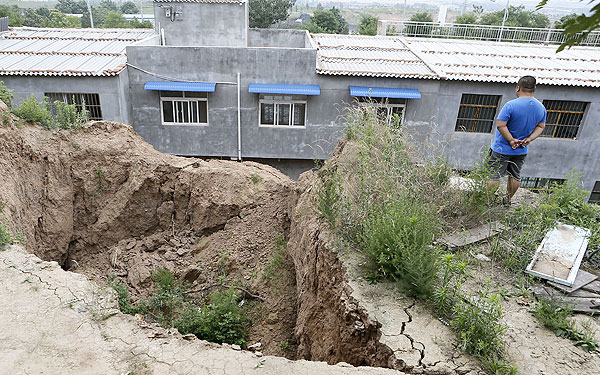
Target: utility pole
{"points": [[503, 21], [90, 12]]}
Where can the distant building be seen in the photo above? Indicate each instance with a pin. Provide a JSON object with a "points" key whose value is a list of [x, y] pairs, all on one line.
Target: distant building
{"points": [[206, 85]]}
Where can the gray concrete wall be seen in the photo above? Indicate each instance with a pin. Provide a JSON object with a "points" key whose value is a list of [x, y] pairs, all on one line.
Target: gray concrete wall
{"points": [[547, 158], [287, 38], [112, 91], [204, 24], [219, 137], [431, 119]]}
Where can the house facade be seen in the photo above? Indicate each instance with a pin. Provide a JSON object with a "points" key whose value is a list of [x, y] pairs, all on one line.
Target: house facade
{"points": [[203, 84]]}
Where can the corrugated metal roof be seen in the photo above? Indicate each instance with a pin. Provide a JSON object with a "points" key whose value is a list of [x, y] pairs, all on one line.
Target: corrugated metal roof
{"points": [[201, 1], [180, 86], [374, 56], [66, 52], [273, 88], [485, 61], [384, 92], [464, 60]]}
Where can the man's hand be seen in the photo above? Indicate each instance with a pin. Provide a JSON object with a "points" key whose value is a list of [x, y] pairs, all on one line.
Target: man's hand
{"points": [[525, 142], [514, 143]]}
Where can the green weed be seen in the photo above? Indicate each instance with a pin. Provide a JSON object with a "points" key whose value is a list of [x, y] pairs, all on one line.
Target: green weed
{"points": [[272, 268], [222, 320], [6, 94], [446, 293], [33, 111], [255, 178], [556, 315], [51, 115], [329, 190], [124, 300], [477, 322]]}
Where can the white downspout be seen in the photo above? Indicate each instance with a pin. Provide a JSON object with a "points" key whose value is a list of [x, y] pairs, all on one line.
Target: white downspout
{"points": [[239, 117]]}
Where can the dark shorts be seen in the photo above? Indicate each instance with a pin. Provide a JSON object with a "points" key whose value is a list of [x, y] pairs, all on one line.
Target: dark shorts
{"points": [[501, 165]]}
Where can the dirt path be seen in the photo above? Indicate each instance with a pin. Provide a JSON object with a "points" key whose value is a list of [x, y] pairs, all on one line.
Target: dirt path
{"points": [[58, 322]]}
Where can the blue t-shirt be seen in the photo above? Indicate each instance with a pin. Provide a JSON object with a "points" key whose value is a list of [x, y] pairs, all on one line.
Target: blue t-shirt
{"points": [[522, 116]]}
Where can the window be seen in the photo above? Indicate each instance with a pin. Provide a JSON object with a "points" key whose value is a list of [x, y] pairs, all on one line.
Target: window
{"points": [[563, 118], [91, 101], [388, 109], [282, 110], [184, 108], [476, 113], [595, 196], [537, 184]]}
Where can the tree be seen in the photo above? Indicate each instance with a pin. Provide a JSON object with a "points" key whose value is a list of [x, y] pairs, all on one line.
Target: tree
{"points": [[72, 6], [58, 19], [562, 22], [368, 25], [264, 13], [129, 7], [421, 17], [108, 5], [328, 21], [466, 19], [137, 24], [15, 19], [115, 20], [517, 17], [577, 30]]}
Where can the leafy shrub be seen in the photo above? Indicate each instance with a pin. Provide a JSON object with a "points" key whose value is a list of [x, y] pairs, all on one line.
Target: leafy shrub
{"points": [[167, 300], [477, 322], [555, 315], [397, 241], [222, 320], [6, 94], [33, 111], [447, 291], [124, 300], [68, 116], [274, 265]]}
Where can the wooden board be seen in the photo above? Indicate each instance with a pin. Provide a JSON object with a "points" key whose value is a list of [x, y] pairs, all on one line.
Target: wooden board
{"points": [[474, 235], [594, 286], [583, 278], [578, 304]]}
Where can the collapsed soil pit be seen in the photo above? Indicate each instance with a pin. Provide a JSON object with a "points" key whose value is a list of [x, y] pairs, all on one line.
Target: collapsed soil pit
{"points": [[100, 201]]}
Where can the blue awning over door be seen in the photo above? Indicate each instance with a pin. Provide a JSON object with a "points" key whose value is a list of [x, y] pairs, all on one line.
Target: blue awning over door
{"points": [[384, 92], [180, 86], [273, 88]]}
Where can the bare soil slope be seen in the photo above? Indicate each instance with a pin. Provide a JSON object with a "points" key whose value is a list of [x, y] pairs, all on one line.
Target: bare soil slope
{"points": [[100, 200]]}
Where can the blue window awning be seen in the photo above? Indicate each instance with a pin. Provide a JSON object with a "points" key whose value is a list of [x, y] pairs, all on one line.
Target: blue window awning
{"points": [[272, 88], [384, 92], [180, 86]]}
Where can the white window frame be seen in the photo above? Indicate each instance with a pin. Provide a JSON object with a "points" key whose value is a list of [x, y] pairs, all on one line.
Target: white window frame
{"points": [[295, 99], [389, 106], [186, 100]]}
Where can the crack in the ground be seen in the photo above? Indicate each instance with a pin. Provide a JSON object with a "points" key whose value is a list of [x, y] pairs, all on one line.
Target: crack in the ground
{"points": [[410, 338]]}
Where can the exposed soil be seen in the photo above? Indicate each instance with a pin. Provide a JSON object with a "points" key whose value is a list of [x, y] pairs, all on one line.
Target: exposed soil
{"points": [[101, 201]]}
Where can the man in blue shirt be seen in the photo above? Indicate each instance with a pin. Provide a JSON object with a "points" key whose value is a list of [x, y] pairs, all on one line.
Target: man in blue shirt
{"points": [[520, 121]]}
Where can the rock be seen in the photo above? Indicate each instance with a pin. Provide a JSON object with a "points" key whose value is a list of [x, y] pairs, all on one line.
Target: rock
{"points": [[258, 345], [182, 251], [174, 242], [236, 347], [131, 244], [191, 275], [258, 354], [482, 258], [170, 255], [3, 106], [203, 243], [189, 337]]}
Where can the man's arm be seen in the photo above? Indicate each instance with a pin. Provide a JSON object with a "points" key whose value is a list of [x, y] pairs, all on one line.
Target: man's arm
{"points": [[534, 134], [503, 129]]}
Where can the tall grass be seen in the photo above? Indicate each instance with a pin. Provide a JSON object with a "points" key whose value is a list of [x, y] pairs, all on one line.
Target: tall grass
{"points": [[388, 199]]}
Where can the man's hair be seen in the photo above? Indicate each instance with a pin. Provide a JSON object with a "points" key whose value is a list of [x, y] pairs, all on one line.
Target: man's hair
{"points": [[527, 83]]}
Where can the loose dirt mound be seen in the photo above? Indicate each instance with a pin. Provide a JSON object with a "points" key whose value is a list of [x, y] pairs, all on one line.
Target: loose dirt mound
{"points": [[100, 200]]}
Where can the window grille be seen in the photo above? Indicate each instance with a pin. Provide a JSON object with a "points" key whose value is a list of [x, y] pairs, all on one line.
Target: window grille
{"points": [[476, 113], [390, 110], [563, 118], [184, 108], [91, 102], [595, 195], [537, 184], [282, 110]]}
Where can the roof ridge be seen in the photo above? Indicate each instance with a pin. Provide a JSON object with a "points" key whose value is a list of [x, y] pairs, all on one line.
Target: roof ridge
{"points": [[62, 53]]}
